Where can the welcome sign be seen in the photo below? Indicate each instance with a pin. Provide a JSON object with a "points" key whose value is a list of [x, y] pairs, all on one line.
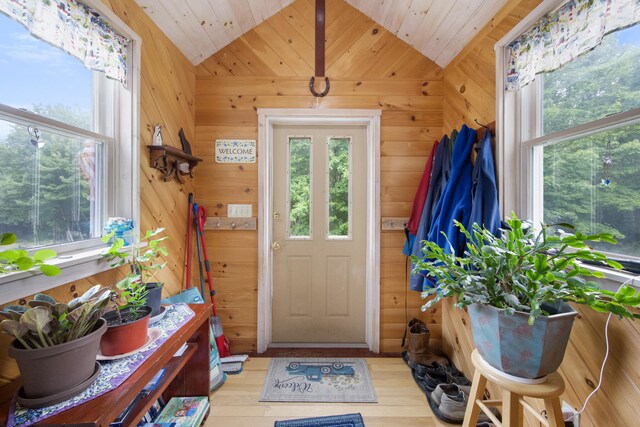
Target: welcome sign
{"points": [[235, 151]]}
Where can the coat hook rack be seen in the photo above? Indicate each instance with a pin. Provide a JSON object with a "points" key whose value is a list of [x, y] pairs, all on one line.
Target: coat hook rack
{"points": [[227, 223], [480, 124]]}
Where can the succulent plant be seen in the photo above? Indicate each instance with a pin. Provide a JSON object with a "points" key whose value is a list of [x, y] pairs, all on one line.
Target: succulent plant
{"points": [[44, 322]]}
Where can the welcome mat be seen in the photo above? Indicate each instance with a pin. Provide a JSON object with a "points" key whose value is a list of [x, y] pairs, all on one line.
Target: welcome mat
{"points": [[348, 420], [318, 380]]}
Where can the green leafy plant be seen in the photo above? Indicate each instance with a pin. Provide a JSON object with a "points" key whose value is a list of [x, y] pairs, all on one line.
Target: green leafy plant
{"points": [[12, 260], [521, 270], [44, 322], [133, 293], [142, 257]]}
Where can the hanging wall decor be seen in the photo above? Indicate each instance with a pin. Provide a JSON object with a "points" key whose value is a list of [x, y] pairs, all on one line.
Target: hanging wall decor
{"points": [[562, 35], [75, 28]]}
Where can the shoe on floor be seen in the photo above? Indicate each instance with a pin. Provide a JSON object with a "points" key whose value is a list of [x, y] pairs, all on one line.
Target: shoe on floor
{"points": [[434, 376], [418, 349], [452, 405]]}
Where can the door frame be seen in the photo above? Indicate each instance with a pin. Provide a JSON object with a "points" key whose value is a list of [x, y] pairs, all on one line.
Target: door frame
{"points": [[267, 117]]}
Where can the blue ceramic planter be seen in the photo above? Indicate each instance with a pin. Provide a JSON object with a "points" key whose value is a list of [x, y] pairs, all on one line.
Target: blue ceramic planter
{"points": [[508, 343]]}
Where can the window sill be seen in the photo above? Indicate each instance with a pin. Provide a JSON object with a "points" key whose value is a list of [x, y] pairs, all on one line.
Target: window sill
{"points": [[74, 266], [614, 278]]}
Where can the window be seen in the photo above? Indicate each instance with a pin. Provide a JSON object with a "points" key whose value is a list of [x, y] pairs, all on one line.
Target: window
{"points": [[575, 134], [339, 188], [299, 199], [68, 145]]}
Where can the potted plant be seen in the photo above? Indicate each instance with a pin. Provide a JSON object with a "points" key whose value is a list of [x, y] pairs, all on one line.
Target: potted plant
{"points": [[12, 260], [143, 261], [56, 345], [516, 288], [128, 322]]}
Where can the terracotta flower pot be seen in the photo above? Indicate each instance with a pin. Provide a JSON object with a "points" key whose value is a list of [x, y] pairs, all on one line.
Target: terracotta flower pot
{"points": [[53, 370], [120, 339]]}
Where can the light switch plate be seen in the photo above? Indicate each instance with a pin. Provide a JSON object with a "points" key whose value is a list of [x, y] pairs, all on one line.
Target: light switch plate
{"points": [[239, 211]]}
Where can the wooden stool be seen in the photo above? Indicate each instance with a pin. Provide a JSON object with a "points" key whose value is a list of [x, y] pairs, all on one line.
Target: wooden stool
{"points": [[512, 397]]}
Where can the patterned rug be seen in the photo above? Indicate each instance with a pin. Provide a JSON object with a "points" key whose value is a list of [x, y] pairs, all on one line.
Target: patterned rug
{"points": [[349, 420], [318, 380]]}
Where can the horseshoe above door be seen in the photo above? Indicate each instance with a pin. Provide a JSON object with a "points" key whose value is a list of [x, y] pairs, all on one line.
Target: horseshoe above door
{"points": [[320, 22]]}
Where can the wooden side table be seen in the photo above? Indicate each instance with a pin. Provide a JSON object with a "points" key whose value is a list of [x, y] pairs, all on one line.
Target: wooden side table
{"points": [[185, 375], [512, 397]]}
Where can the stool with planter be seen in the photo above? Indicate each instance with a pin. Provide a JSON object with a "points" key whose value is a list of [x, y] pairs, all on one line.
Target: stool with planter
{"points": [[514, 390]]}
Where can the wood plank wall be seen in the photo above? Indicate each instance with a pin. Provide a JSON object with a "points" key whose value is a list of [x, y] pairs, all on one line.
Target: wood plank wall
{"points": [[167, 97], [270, 67], [469, 89]]}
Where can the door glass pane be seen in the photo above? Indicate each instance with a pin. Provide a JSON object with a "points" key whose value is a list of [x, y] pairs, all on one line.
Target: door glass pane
{"points": [[339, 187], [299, 202], [50, 185], [597, 84], [592, 183]]}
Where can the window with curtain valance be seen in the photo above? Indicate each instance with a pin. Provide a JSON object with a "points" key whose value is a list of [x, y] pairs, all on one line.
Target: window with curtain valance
{"points": [[77, 29], [569, 119], [562, 35]]}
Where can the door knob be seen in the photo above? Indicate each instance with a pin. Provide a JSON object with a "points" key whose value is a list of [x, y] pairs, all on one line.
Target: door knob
{"points": [[276, 215], [275, 246]]}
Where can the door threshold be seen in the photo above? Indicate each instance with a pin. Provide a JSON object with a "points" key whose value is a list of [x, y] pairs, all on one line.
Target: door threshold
{"points": [[322, 352], [318, 345]]}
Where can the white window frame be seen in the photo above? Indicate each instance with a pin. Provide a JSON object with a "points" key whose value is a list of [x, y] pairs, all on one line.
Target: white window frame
{"points": [[519, 132], [288, 198], [328, 235], [122, 172]]}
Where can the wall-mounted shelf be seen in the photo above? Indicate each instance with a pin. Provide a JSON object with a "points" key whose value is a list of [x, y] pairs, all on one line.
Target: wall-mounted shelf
{"points": [[237, 224], [394, 223], [171, 162]]}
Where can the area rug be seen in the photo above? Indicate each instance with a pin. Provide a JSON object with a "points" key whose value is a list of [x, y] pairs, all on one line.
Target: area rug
{"points": [[348, 420], [318, 380]]}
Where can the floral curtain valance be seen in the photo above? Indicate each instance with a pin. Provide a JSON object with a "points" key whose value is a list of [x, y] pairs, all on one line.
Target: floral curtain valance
{"points": [[75, 28], [562, 35]]}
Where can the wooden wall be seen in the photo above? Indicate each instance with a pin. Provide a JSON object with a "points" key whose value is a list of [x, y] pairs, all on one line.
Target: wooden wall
{"points": [[270, 67], [167, 98], [469, 90]]}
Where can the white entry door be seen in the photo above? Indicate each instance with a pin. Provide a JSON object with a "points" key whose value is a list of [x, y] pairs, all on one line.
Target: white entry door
{"points": [[319, 234]]}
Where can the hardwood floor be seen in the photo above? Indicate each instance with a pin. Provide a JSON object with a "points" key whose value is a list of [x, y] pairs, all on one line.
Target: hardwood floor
{"points": [[400, 401]]}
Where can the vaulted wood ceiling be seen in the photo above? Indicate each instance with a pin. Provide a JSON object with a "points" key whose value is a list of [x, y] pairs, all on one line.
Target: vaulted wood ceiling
{"points": [[438, 29]]}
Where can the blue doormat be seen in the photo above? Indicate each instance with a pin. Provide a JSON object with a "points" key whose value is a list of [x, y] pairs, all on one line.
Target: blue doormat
{"points": [[348, 420]]}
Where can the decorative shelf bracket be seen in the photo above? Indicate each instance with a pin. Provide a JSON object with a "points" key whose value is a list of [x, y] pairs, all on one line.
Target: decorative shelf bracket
{"points": [[172, 162]]}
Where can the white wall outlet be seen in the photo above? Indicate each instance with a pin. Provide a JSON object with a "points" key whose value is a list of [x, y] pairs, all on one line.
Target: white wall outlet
{"points": [[239, 211], [570, 414]]}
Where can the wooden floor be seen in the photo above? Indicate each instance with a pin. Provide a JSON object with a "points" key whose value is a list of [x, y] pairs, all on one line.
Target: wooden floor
{"points": [[400, 401]]}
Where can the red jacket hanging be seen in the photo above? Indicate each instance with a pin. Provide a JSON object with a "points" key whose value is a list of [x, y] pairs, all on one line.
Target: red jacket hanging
{"points": [[421, 193]]}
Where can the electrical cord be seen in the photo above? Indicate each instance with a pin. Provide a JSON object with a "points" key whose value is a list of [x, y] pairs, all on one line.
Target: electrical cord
{"points": [[606, 354]]}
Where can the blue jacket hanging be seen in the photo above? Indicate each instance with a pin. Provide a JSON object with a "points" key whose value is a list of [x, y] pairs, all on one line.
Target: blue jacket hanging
{"points": [[439, 176], [455, 202], [484, 193]]}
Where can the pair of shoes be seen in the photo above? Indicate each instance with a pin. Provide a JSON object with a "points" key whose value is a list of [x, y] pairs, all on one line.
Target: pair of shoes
{"points": [[449, 403], [429, 377]]}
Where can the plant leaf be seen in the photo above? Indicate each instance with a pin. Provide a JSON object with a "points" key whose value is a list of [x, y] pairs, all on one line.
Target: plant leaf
{"points": [[7, 239], [50, 270], [44, 254]]}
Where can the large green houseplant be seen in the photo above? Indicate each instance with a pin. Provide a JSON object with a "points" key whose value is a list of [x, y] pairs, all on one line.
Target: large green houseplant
{"points": [[522, 280], [56, 344]]}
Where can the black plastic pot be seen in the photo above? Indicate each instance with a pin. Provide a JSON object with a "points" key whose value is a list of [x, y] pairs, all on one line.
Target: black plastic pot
{"points": [[120, 339], [154, 295], [54, 370]]}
